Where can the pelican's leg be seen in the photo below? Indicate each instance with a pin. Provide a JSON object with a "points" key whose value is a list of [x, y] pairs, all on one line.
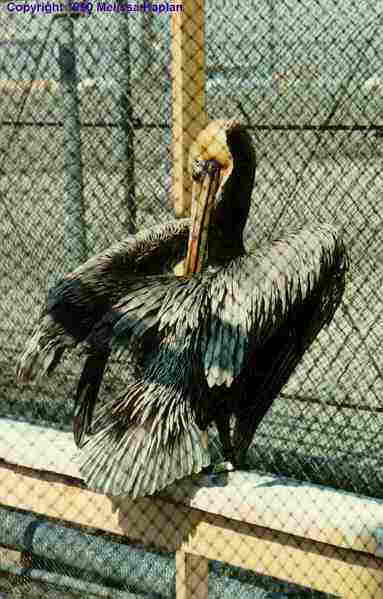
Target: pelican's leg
{"points": [[244, 431], [246, 424], [223, 425]]}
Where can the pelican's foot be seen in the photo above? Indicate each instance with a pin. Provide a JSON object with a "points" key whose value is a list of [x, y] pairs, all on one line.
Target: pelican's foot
{"points": [[219, 468], [226, 466]]}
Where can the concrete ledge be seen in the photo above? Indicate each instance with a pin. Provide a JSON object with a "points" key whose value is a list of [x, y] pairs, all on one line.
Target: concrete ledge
{"points": [[311, 511], [303, 533]]}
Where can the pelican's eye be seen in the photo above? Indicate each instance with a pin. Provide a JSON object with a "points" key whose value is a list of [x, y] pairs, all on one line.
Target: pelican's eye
{"points": [[212, 166]]}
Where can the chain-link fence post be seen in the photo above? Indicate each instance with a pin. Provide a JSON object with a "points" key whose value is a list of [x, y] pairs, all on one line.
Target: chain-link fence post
{"points": [[74, 226], [272, 39], [125, 138]]}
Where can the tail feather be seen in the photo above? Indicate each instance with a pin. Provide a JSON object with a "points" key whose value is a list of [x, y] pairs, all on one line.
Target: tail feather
{"points": [[86, 395], [136, 452], [43, 351]]}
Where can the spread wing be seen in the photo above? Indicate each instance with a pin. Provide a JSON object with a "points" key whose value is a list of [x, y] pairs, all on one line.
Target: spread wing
{"points": [[301, 277], [77, 302], [82, 297]]}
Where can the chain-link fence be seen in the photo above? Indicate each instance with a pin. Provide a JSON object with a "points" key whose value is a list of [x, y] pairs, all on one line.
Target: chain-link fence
{"points": [[86, 121]]}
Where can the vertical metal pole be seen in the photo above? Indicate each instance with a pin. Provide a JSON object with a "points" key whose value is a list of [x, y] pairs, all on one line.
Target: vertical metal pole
{"points": [[126, 137], [272, 37], [148, 38], [75, 250]]}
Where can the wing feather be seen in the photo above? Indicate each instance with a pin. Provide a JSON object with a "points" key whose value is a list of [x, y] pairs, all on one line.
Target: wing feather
{"points": [[270, 285]]}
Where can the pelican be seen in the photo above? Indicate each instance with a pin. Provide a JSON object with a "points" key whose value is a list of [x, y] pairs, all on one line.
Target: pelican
{"points": [[213, 346]]}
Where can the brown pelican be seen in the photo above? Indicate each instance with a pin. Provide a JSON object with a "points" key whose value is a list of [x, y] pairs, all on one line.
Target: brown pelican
{"points": [[213, 346]]}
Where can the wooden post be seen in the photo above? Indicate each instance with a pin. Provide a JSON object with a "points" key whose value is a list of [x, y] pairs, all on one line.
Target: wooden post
{"points": [[188, 95], [191, 576]]}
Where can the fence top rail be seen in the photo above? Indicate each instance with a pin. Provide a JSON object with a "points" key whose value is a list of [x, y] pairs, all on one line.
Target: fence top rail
{"points": [[298, 508]]}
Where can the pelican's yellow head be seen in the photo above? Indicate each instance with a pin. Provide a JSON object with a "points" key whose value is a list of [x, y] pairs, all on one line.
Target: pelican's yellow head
{"points": [[211, 144]]}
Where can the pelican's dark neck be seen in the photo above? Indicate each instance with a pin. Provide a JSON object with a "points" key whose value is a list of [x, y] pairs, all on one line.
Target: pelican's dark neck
{"points": [[230, 216]]}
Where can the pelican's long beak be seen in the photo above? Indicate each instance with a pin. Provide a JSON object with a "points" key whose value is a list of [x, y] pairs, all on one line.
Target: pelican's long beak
{"points": [[204, 193]]}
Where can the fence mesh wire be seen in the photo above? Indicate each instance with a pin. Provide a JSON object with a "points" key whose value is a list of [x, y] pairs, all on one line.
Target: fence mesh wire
{"points": [[85, 159]]}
